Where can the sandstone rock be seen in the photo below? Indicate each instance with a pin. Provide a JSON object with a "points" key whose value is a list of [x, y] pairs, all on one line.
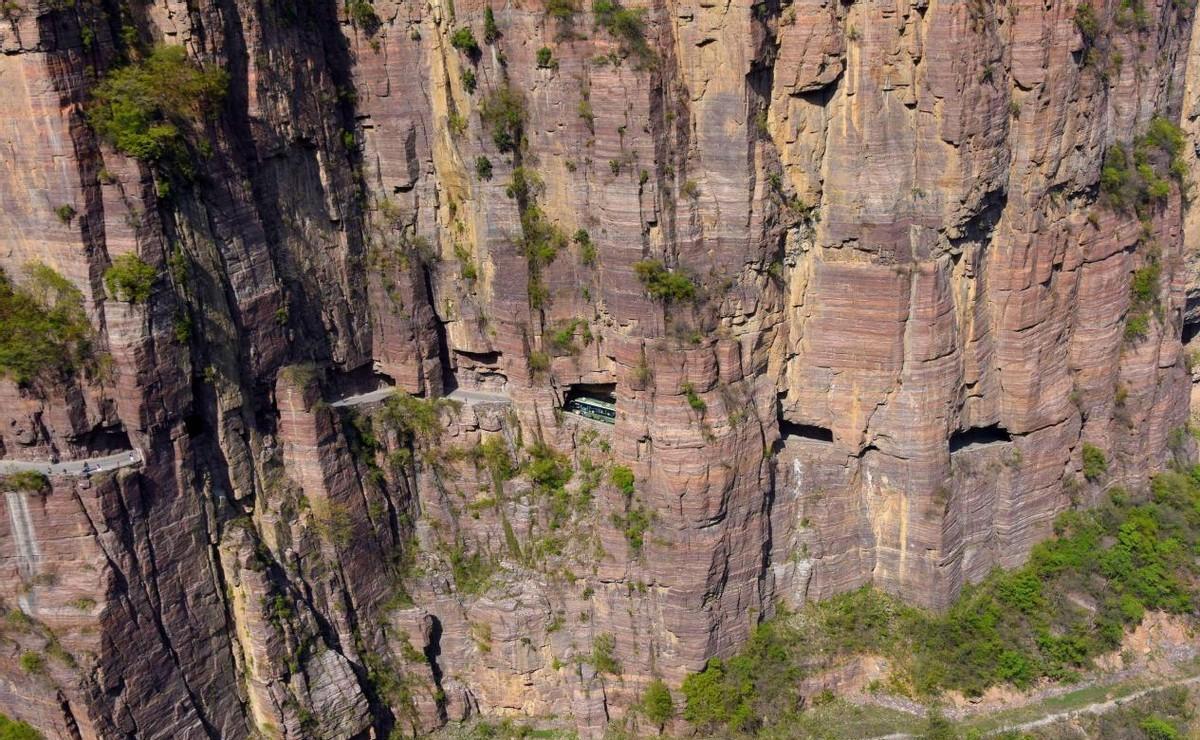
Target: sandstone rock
{"points": [[912, 310]]}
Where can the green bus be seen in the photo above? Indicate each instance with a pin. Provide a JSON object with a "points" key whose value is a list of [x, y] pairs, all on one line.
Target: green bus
{"points": [[592, 408]]}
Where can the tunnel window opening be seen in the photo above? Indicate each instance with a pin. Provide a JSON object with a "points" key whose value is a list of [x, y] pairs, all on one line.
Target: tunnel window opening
{"points": [[364, 379], [195, 425], [477, 371], [811, 432], [979, 437], [595, 401], [480, 358], [1189, 332], [106, 440]]}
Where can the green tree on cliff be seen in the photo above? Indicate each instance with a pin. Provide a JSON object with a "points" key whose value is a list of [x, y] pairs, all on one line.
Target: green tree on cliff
{"points": [[145, 109], [43, 328]]}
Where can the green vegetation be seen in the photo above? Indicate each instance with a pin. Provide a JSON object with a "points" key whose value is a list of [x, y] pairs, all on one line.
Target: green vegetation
{"points": [[65, 213], [13, 730], [562, 10], [472, 571], [585, 112], [130, 279], [541, 240], [145, 109], [1072, 602], [665, 285], [602, 654], [657, 704], [622, 478], [545, 58], [1086, 22], [33, 663], [1095, 464], [549, 472], [491, 31], [694, 400], [1145, 284], [483, 167], [1143, 302], [493, 454], [634, 524], [627, 26], [587, 250], [636, 519], [362, 15], [503, 111], [417, 418], [464, 40], [562, 338], [1140, 176], [44, 331], [25, 480], [469, 80], [539, 362]]}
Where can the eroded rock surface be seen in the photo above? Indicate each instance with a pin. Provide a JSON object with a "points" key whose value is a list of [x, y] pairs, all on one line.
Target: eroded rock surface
{"points": [[913, 310]]}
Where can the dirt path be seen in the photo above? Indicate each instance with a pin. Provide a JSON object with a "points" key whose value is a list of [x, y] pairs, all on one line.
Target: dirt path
{"points": [[1094, 708]]}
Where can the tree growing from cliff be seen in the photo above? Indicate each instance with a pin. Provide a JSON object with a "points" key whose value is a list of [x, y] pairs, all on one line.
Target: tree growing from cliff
{"points": [[1138, 175], [1095, 464], [363, 15], [491, 32], [665, 285], [625, 25], [657, 704], [146, 108], [43, 328], [464, 40], [130, 279], [503, 111]]}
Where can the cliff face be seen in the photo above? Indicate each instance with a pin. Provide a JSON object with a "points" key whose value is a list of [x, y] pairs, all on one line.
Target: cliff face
{"points": [[914, 308]]}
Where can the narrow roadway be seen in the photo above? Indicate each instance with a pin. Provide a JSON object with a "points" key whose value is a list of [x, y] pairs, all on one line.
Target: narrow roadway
{"points": [[133, 457], [473, 396], [72, 467], [458, 394]]}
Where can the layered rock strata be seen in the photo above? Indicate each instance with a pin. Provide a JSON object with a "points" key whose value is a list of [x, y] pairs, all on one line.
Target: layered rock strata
{"points": [[911, 312]]}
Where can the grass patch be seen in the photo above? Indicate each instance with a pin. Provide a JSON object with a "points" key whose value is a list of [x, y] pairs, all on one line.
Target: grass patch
{"points": [[25, 480], [11, 729]]}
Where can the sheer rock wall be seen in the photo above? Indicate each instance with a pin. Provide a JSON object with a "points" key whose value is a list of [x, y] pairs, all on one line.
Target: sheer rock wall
{"points": [[911, 315]]}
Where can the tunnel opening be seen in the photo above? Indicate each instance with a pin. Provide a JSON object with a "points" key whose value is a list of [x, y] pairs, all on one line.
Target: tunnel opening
{"points": [[362, 379], [976, 437], [595, 401], [195, 425], [105, 440], [1190, 329], [811, 432], [478, 371]]}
